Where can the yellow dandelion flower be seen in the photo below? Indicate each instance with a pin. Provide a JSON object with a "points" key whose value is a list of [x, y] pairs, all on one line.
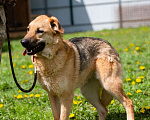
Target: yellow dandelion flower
{"points": [[31, 95], [133, 82], [78, 97], [71, 115], [116, 48], [94, 109], [1, 105], [14, 64], [115, 43], [112, 101], [23, 66], [128, 93], [121, 105], [137, 48], [19, 96], [128, 79], [126, 49], [144, 29], [19, 91], [37, 95], [138, 62], [75, 102], [30, 72], [138, 80], [141, 77], [25, 95], [31, 66], [138, 91], [148, 42], [148, 108], [142, 111], [22, 82], [79, 101], [26, 81], [142, 68], [15, 95], [131, 44]]}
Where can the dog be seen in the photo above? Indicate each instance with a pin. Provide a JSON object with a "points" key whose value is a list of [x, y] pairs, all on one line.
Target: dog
{"points": [[88, 63]]}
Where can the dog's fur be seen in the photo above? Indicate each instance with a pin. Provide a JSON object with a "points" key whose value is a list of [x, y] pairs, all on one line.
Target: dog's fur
{"points": [[91, 64]]}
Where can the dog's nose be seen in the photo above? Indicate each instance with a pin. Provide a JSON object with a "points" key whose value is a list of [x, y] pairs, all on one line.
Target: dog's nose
{"points": [[25, 42]]}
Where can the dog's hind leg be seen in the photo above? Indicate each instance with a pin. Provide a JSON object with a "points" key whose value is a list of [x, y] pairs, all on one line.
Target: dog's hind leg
{"points": [[55, 104], [91, 91], [109, 72]]}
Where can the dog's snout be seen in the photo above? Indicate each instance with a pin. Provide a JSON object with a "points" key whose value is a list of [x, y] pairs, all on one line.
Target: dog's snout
{"points": [[25, 42]]}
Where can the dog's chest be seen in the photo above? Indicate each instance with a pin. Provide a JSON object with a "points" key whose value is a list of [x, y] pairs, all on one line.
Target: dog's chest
{"points": [[50, 77]]}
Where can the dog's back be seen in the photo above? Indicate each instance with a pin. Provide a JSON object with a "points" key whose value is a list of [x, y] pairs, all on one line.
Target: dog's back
{"points": [[90, 47]]}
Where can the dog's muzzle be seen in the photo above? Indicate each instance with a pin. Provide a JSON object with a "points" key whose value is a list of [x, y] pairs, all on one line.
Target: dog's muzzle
{"points": [[31, 48]]}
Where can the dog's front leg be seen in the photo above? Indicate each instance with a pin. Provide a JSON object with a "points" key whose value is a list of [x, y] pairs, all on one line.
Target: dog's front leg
{"points": [[55, 104], [66, 104]]}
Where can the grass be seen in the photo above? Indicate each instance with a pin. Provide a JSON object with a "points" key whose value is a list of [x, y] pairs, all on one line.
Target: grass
{"points": [[133, 47]]}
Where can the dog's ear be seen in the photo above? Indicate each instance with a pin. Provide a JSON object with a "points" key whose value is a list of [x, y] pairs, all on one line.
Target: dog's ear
{"points": [[55, 25]]}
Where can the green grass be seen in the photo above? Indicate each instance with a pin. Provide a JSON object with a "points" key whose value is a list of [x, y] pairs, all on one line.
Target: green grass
{"points": [[31, 108]]}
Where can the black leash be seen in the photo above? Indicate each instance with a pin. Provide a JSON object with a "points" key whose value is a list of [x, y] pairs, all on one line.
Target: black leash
{"points": [[10, 56]]}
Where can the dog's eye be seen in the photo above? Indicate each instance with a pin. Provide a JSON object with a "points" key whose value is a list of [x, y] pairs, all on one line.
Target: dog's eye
{"points": [[39, 31], [27, 29]]}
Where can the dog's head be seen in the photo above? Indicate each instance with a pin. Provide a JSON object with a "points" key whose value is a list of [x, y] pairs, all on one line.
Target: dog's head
{"points": [[40, 33]]}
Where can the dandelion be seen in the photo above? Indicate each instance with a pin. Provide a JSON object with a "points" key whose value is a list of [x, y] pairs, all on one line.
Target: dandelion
{"points": [[79, 101], [148, 108], [78, 97], [71, 115], [116, 48], [138, 62], [31, 95], [112, 101], [19, 96], [128, 79], [25, 96], [30, 72], [115, 43], [15, 95], [75, 102], [126, 49], [141, 77], [19, 91], [23, 66], [1, 105], [94, 108], [142, 68], [138, 91], [137, 48], [133, 82], [31, 66], [121, 105], [128, 93], [142, 111], [37, 95], [144, 29], [14, 64], [26, 81], [131, 44], [138, 80]]}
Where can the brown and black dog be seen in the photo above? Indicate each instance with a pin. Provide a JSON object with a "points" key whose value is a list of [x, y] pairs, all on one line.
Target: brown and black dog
{"points": [[91, 64]]}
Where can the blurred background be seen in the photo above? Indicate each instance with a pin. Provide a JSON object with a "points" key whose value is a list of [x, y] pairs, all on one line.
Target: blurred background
{"points": [[81, 15]]}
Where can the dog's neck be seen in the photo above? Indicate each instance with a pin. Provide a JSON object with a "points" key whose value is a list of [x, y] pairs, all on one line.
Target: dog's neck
{"points": [[52, 48]]}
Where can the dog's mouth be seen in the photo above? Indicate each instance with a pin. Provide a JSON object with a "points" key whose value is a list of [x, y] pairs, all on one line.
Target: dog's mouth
{"points": [[34, 50]]}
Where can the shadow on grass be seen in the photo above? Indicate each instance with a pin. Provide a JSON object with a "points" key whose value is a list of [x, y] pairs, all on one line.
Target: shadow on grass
{"points": [[122, 116]]}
